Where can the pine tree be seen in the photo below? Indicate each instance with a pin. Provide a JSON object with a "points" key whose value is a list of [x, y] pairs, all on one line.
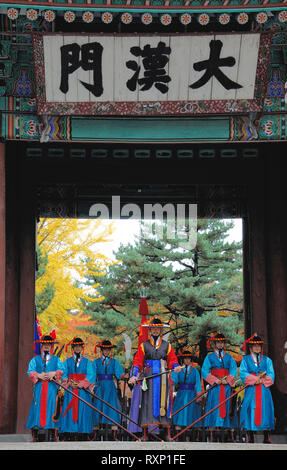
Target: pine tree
{"points": [[197, 291]]}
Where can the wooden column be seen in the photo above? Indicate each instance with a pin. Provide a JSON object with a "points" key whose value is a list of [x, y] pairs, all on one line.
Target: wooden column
{"points": [[10, 384], [2, 269], [26, 305], [276, 266], [254, 239]]}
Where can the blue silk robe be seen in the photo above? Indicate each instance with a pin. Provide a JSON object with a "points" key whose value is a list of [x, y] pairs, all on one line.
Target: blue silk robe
{"points": [[43, 402], [189, 385], [257, 412], [105, 369], [76, 416], [225, 366]]}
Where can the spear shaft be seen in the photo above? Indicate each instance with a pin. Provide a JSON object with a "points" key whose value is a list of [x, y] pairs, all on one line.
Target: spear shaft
{"points": [[210, 411], [217, 406], [113, 408], [94, 408], [195, 398], [153, 376]]}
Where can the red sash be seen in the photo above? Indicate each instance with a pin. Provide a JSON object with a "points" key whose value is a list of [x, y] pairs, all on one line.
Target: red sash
{"points": [[258, 404], [74, 403], [221, 373], [43, 405]]}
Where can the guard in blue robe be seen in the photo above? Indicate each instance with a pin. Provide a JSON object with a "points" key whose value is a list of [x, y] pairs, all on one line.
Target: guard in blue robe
{"points": [[188, 385], [219, 370], [106, 368], [76, 421], [41, 369], [256, 370]]}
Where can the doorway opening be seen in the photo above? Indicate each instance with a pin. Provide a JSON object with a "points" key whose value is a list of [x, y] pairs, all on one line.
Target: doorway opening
{"points": [[91, 275]]}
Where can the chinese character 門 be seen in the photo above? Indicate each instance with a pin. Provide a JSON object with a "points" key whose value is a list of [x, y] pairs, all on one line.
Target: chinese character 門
{"points": [[88, 57]]}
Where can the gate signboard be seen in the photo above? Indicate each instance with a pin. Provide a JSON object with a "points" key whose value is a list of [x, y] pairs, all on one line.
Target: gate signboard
{"points": [[151, 74]]}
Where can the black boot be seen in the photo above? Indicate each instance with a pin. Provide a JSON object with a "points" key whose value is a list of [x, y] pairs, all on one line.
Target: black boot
{"points": [[267, 439], [250, 437], [51, 435], [35, 437]]}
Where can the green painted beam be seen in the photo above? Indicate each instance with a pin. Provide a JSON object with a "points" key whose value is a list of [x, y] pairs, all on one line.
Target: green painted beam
{"points": [[150, 130], [155, 9]]}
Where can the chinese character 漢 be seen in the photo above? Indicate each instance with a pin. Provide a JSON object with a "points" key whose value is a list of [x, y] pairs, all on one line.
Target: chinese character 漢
{"points": [[91, 59], [154, 59]]}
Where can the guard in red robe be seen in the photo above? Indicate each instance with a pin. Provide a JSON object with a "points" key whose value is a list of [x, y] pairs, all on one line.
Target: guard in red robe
{"points": [[154, 358]]}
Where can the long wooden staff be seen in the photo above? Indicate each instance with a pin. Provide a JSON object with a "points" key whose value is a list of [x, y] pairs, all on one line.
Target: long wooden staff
{"points": [[189, 403], [113, 408], [155, 375], [217, 406], [195, 398], [210, 411], [94, 408]]}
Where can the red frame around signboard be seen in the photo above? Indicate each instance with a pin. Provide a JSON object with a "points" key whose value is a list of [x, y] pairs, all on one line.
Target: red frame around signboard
{"points": [[152, 108]]}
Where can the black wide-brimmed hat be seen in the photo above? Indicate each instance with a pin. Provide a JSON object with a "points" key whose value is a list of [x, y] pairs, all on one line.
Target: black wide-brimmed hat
{"points": [[187, 352], [254, 339], [155, 322], [104, 344], [75, 342], [46, 339], [216, 337]]}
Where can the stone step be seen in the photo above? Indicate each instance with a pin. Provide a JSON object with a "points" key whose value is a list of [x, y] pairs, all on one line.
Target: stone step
{"points": [[23, 442]]}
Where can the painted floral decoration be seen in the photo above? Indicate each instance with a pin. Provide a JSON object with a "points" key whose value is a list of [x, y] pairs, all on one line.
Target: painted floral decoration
{"points": [[107, 17], [49, 15], [12, 13], [69, 16], [88, 17], [185, 18], [165, 19], [282, 16], [242, 18], [32, 14], [146, 18], [224, 18], [203, 19], [261, 17], [126, 18]]}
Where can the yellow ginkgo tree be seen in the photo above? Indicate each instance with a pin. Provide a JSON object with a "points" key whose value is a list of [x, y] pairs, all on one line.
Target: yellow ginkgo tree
{"points": [[67, 254]]}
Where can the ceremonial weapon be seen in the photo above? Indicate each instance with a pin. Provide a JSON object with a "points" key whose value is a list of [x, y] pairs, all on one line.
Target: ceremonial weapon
{"points": [[115, 409], [94, 408], [59, 401], [195, 398], [60, 351], [213, 409], [155, 375], [128, 349]]}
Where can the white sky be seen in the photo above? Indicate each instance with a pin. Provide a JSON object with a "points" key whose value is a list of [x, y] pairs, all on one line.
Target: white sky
{"points": [[127, 229]]}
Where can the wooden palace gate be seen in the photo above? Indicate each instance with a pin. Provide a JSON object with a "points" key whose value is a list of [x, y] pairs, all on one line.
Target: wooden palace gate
{"points": [[77, 128]]}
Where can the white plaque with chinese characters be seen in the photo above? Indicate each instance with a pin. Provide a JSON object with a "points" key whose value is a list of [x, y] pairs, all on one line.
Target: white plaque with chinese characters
{"points": [[150, 74]]}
